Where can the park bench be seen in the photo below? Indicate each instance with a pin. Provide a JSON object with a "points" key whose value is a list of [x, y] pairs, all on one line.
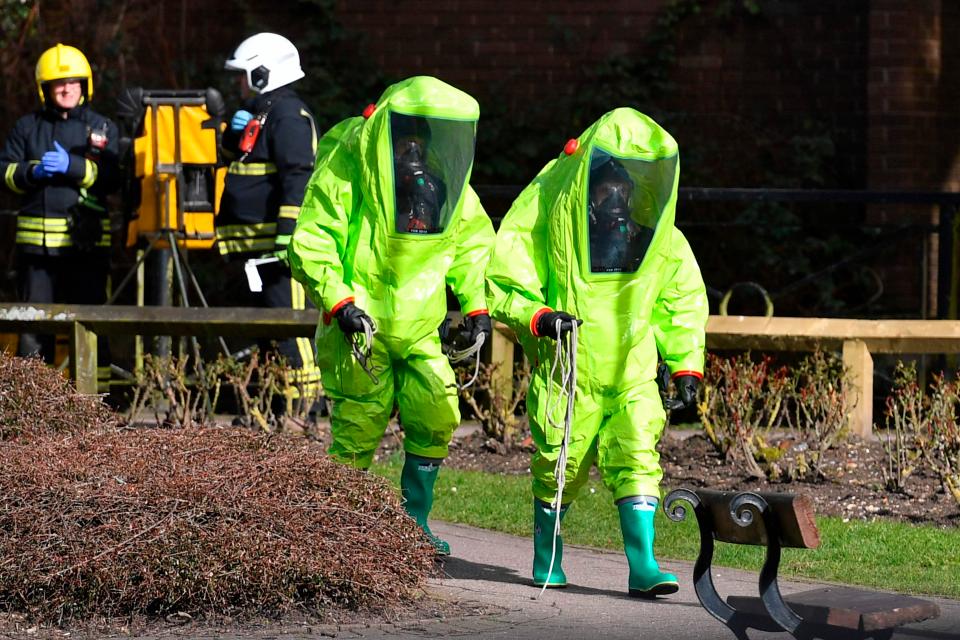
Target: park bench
{"points": [[775, 521]]}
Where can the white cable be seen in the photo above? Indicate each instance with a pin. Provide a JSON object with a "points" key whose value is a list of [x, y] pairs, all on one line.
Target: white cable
{"points": [[364, 352], [566, 358], [463, 354]]}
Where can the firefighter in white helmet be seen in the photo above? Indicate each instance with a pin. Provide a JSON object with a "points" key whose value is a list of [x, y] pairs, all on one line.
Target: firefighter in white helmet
{"points": [[62, 162], [271, 142]]}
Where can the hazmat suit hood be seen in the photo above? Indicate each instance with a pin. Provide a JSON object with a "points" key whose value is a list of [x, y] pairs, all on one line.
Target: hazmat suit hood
{"points": [[418, 150], [593, 235], [620, 187]]}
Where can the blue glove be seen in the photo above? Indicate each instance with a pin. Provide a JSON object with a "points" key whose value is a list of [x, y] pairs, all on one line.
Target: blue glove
{"points": [[56, 161], [39, 173], [240, 120]]}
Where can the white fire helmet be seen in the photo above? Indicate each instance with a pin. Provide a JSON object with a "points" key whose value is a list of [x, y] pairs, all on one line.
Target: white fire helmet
{"points": [[269, 60]]}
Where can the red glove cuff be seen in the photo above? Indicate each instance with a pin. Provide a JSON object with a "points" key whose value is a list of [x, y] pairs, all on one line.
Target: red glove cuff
{"points": [[536, 316], [328, 315]]}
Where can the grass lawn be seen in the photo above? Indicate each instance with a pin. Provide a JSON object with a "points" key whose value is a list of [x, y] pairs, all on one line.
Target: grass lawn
{"points": [[884, 555]]}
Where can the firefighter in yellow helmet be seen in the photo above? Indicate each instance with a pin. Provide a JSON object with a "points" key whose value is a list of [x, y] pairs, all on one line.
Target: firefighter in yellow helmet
{"points": [[62, 162]]}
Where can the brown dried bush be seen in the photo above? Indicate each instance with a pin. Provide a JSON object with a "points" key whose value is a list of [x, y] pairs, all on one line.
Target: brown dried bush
{"points": [[35, 399], [108, 522], [157, 521]]}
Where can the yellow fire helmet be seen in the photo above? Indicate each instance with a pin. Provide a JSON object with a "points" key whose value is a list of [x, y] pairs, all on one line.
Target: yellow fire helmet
{"points": [[60, 62]]}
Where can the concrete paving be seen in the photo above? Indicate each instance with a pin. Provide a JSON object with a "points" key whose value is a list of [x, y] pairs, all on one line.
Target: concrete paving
{"points": [[490, 571]]}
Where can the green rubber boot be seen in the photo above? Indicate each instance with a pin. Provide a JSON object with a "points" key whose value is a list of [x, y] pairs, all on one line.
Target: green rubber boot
{"points": [[544, 522], [636, 523], [416, 486]]}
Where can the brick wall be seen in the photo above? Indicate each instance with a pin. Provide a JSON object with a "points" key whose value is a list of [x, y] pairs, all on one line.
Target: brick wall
{"points": [[912, 130], [534, 47], [730, 77]]}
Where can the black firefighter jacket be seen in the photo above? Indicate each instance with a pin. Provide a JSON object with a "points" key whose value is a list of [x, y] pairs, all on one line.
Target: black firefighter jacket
{"points": [[263, 191], [67, 212]]}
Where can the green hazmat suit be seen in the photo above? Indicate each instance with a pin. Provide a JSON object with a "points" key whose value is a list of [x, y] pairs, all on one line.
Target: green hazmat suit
{"points": [[629, 275], [390, 238]]}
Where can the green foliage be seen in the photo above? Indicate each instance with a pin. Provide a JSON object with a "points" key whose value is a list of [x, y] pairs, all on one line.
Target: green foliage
{"points": [[18, 29], [15, 20]]}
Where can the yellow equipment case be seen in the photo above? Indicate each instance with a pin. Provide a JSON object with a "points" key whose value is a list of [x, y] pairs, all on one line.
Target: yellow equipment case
{"points": [[175, 177]]}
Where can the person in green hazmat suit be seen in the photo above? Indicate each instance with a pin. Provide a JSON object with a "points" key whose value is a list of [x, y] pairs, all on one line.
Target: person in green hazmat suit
{"points": [[388, 220], [592, 241]]}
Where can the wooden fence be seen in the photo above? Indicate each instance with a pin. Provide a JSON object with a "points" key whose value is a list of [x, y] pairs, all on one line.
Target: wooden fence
{"points": [[856, 339]]}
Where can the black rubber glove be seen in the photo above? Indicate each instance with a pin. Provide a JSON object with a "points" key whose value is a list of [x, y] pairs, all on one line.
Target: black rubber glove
{"points": [[687, 389], [444, 330], [349, 318], [474, 325], [547, 324]]}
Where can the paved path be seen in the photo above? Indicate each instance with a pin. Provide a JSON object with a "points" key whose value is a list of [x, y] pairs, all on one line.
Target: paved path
{"points": [[488, 573], [492, 570]]}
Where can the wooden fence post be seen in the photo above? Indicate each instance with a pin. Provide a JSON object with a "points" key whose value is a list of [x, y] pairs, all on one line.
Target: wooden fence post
{"points": [[858, 384], [83, 358], [501, 354]]}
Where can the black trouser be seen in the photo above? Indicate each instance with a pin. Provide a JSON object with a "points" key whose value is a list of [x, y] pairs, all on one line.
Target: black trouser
{"points": [[66, 279]]}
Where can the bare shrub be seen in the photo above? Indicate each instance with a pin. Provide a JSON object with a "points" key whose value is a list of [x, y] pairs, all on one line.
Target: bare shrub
{"points": [[493, 405], [185, 397], [924, 431], [817, 410], [742, 402], [36, 399], [940, 443], [203, 521], [180, 392], [904, 414]]}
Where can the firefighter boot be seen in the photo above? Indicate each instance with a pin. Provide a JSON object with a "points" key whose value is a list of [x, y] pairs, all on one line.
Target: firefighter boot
{"points": [[544, 523], [416, 485], [636, 523]]}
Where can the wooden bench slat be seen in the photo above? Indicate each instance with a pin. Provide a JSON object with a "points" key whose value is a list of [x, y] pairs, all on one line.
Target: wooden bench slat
{"points": [[847, 608]]}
